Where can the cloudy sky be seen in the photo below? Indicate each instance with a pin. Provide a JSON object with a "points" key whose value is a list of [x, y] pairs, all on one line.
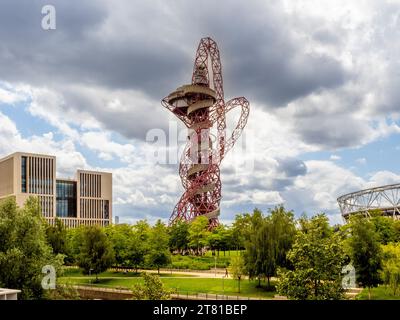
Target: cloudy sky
{"points": [[322, 78]]}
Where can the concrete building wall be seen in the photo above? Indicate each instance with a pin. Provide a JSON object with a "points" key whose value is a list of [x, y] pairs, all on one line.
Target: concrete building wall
{"points": [[7, 177]]}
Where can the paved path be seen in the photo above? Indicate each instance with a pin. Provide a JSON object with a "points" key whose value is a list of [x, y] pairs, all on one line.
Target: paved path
{"points": [[201, 274], [125, 278], [220, 273]]}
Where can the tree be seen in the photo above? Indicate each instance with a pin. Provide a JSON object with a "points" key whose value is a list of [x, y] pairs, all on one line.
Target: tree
{"points": [[152, 289], [215, 240], [178, 236], [317, 257], [158, 258], [96, 253], [243, 228], [269, 243], [136, 251], [120, 236], [142, 228], [74, 241], [252, 233], [237, 268], [240, 230], [57, 237], [159, 254], [283, 229], [396, 227], [226, 235], [198, 233], [363, 245], [391, 266], [384, 226], [257, 255], [24, 250]]}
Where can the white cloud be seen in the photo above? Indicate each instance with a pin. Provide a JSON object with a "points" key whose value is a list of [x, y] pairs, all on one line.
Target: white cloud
{"points": [[323, 183], [254, 198], [108, 150], [382, 178], [12, 94]]}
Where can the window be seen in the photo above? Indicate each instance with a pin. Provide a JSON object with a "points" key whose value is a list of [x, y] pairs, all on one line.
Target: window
{"points": [[106, 209], [23, 174], [66, 199]]}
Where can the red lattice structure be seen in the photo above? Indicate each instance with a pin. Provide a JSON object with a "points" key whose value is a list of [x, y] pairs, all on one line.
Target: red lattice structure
{"points": [[201, 105]]}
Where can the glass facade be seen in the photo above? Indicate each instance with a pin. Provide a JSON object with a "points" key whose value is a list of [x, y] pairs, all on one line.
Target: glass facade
{"points": [[66, 199], [23, 174], [106, 209]]}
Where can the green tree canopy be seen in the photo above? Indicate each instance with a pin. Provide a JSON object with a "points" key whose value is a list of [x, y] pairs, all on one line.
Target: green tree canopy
{"points": [[268, 244], [136, 251], [178, 236], [57, 237], [24, 250], [142, 229], [96, 252], [317, 257], [237, 268], [364, 248], [159, 254], [391, 266], [120, 236], [198, 233], [216, 238], [151, 289], [385, 227], [241, 230]]}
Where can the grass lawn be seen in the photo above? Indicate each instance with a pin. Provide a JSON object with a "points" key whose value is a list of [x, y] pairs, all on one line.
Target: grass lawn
{"points": [[182, 284], [218, 286], [379, 293], [205, 262]]}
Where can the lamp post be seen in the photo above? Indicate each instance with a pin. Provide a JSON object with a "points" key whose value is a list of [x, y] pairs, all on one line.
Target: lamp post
{"points": [[223, 287], [215, 265], [90, 273]]}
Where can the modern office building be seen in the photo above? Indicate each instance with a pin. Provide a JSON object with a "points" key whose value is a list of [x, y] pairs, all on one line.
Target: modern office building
{"points": [[86, 200]]}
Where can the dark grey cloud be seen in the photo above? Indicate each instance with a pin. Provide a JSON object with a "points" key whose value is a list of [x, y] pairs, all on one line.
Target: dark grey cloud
{"points": [[149, 46], [265, 176], [340, 131], [276, 75], [292, 167], [326, 36], [74, 52]]}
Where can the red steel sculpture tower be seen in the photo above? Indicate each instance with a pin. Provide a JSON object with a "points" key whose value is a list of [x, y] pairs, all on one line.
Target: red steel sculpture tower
{"points": [[200, 105]]}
